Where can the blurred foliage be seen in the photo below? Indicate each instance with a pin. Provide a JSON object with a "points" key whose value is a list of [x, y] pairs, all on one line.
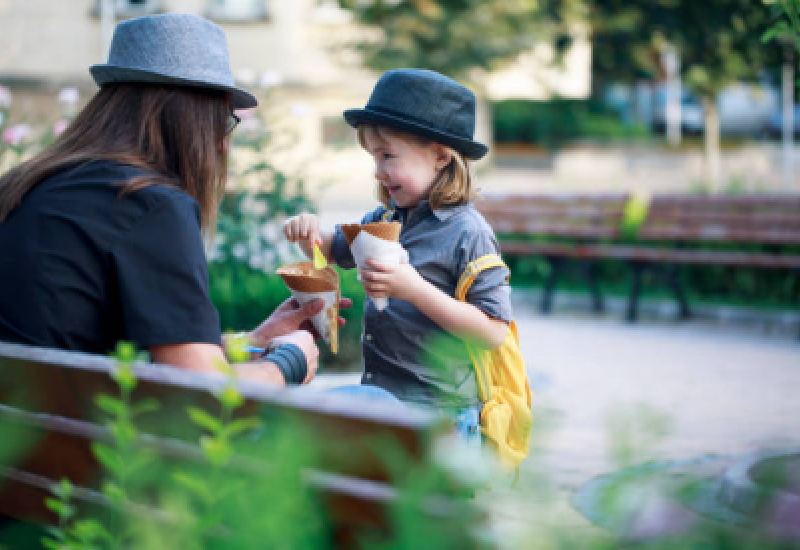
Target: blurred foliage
{"points": [[747, 287], [249, 490], [452, 37], [555, 123], [718, 42], [786, 29]]}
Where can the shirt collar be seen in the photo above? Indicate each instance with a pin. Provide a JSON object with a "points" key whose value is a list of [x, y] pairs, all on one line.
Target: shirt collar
{"points": [[424, 208]]}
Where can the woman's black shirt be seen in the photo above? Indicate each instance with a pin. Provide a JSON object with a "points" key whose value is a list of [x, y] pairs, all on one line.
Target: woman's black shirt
{"points": [[83, 267]]}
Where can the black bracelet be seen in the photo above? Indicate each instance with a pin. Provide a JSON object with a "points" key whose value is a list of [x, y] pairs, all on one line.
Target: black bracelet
{"points": [[290, 361]]}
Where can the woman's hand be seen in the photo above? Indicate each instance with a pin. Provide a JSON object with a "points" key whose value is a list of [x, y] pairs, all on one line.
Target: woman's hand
{"points": [[289, 317], [303, 229], [400, 281]]}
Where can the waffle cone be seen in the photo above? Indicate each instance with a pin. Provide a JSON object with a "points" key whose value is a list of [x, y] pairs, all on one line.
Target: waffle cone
{"points": [[388, 231], [303, 277]]}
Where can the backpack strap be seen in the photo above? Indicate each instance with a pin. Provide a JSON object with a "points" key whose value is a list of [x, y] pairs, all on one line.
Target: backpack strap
{"points": [[471, 273], [468, 276]]}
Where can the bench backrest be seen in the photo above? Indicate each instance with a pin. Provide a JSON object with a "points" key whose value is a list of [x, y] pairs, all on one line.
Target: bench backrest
{"points": [[52, 394], [758, 219], [571, 216]]}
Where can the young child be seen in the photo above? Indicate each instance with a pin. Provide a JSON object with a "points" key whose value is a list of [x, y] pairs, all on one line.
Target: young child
{"points": [[418, 126]]}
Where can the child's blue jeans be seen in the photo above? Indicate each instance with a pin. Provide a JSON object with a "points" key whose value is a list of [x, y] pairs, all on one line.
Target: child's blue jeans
{"points": [[466, 421]]}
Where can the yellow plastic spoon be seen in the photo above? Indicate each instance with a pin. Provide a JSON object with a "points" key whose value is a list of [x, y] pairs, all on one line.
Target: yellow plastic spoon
{"points": [[319, 259]]}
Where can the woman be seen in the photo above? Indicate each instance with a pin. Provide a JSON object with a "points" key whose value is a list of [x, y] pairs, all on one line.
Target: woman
{"points": [[101, 234]]}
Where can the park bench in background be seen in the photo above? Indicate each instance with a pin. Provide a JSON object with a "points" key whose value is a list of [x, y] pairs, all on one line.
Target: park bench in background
{"points": [[52, 394], [756, 231]]}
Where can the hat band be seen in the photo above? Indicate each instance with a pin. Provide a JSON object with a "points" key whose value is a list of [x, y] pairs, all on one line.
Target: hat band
{"points": [[411, 118]]}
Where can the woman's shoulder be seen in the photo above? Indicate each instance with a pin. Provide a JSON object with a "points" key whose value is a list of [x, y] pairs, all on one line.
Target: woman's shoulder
{"points": [[104, 181]]}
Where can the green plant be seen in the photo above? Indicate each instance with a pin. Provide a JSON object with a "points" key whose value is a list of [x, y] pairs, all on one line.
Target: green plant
{"points": [[556, 123]]}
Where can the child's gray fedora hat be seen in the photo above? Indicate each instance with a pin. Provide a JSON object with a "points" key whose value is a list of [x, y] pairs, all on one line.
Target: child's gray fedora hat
{"points": [[173, 48], [426, 103]]}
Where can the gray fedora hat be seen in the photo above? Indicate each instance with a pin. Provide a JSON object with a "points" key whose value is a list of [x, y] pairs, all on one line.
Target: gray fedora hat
{"points": [[173, 48], [423, 102]]}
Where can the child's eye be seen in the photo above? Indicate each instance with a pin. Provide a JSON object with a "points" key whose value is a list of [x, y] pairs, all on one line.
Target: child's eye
{"points": [[388, 156]]}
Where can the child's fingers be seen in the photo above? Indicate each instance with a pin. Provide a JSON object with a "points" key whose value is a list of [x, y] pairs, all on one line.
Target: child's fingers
{"points": [[314, 237], [289, 230], [377, 265], [303, 227]]}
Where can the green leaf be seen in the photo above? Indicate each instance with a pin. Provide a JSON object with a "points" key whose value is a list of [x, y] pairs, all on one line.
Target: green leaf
{"points": [[114, 492], [778, 30], [146, 406], [125, 351], [63, 489], [110, 405], [240, 426], [258, 167], [204, 420], [51, 544], [109, 458], [195, 485], [56, 532], [218, 452], [62, 509], [89, 530], [124, 433], [139, 461], [125, 377], [235, 349], [231, 398]]}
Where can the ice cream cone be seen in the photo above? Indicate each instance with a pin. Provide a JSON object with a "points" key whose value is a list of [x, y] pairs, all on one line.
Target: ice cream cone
{"points": [[306, 284], [376, 241], [388, 231]]}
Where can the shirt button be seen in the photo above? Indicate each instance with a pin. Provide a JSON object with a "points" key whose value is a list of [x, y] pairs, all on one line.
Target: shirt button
{"points": [[368, 375], [368, 337]]}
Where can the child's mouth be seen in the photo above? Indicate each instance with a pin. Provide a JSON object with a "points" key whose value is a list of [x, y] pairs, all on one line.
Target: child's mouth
{"points": [[393, 188]]}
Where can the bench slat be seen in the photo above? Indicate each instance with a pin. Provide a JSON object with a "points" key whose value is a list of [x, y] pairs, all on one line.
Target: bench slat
{"points": [[652, 254]]}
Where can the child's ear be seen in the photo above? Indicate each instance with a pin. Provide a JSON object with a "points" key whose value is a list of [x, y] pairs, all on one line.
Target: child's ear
{"points": [[443, 156]]}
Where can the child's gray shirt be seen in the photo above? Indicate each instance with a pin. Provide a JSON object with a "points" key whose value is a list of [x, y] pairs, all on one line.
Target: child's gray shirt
{"points": [[404, 351]]}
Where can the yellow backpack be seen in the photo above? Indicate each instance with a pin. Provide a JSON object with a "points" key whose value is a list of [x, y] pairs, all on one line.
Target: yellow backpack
{"points": [[502, 382]]}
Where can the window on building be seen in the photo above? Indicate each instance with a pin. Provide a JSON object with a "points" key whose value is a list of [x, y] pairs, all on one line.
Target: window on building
{"points": [[336, 133], [124, 9], [236, 11]]}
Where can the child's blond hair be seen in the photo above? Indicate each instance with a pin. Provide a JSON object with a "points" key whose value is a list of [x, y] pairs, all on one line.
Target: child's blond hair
{"points": [[453, 185]]}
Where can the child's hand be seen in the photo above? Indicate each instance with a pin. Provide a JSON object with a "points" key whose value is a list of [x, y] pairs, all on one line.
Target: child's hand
{"points": [[303, 228], [400, 281]]}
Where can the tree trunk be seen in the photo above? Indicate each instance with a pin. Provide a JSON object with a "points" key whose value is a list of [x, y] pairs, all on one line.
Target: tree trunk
{"points": [[712, 163]]}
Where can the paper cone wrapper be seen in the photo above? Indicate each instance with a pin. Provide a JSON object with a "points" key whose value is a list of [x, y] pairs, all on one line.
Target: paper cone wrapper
{"points": [[375, 241], [306, 284], [387, 231]]}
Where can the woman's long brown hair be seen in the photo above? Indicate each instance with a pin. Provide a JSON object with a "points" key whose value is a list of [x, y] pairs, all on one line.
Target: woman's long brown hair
{"points": [[176, 133]]}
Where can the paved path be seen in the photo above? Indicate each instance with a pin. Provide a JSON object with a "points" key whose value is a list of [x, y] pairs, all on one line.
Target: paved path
{"points": [[718, 389]]}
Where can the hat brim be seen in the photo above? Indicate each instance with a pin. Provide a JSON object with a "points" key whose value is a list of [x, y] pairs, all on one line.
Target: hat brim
{"points": [[106, 74], [468, 147]]}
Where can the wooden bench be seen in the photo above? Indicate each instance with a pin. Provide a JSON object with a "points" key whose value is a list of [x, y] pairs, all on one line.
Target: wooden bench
{"points": [[757, 231], [47, 398], [557, 228]]}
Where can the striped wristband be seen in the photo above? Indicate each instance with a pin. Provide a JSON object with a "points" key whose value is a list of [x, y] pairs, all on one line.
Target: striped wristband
{"points": [[290, 361]]}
